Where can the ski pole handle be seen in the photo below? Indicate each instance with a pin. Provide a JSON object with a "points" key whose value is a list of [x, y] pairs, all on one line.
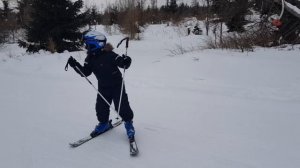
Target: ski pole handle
{"points": [[127, 42], [71, 61], [67, 66]]}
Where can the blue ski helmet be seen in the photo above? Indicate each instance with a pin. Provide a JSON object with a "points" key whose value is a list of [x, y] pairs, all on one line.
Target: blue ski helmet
{"points": [[94, 40]]}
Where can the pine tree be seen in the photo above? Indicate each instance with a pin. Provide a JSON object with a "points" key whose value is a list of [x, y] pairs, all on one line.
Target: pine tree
{"points": [[2, 32], [25, 8], [6, 9], [4, 26], [55, 26], [173, 6], [232, 13]]}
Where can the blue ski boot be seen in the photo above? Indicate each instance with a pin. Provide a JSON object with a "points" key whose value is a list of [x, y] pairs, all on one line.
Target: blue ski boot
{"points": [[101, 128], [129, 130]]}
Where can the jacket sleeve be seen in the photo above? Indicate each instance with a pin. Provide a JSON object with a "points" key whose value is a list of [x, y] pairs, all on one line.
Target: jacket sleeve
{"points": [[84, 70]]}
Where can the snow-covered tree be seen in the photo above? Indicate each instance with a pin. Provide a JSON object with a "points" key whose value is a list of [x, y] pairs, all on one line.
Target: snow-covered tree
{"points": [[55, 26]]}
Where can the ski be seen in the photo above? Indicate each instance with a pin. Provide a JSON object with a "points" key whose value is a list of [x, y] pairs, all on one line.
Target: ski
{"points": [[88, 138], [133, 147]]}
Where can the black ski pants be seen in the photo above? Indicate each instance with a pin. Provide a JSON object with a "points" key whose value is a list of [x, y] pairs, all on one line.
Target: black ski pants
{"points": [[113, 94]]}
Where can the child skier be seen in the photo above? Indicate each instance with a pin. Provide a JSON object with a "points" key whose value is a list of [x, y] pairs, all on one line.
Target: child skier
{"points": [[104, 63]]}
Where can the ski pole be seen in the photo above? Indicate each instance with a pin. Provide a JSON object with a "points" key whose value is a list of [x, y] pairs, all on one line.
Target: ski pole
{"points": [[124, 70], [103, 98]]}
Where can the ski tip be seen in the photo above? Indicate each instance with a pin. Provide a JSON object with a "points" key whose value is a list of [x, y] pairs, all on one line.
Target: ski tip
{"points": [[72, 145], [134, 154]]}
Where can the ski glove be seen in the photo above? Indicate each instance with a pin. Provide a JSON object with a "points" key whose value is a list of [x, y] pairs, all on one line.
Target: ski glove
{"points": [[72, 62], [126, 61]]}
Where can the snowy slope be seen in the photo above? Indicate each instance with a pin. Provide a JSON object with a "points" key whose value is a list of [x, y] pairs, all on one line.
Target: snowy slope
{"points": [[211, 108]]}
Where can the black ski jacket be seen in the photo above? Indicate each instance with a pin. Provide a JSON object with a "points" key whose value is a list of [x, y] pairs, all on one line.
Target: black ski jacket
{"points": [[104, 64]]}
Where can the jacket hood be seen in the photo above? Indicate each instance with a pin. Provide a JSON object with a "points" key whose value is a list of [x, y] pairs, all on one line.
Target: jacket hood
{"points": [[108, 47]]}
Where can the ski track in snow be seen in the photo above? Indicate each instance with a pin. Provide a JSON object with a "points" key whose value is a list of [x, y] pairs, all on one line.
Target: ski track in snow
{"points": [[210, 108]]}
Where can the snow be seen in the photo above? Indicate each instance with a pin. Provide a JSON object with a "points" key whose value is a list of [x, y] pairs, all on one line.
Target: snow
{"points": [[205, 108], [12, 3]]}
